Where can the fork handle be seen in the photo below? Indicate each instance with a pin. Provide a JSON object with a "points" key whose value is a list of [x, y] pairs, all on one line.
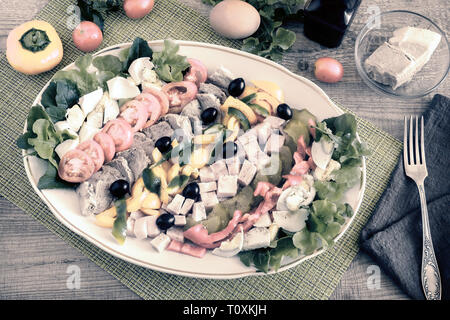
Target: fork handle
{"points": [[431, 278]]}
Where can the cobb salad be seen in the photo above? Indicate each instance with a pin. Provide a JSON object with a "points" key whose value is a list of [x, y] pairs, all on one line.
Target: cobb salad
{"points": [[160, 149]]}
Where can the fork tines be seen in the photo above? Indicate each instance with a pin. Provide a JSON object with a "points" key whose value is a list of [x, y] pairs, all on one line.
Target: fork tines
{"points": [[416, 154]]}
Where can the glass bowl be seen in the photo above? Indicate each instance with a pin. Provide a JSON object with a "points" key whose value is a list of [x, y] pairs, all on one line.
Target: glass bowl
{"points": [[379, 29]]}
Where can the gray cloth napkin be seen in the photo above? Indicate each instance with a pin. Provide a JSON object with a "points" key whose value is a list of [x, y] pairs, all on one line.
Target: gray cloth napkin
{"points": [[393, 235]]}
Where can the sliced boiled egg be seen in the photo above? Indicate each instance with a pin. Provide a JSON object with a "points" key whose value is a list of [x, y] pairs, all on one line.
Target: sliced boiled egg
{"points": [[138, 68], [292, 221], [321, 152], [230, 247]]}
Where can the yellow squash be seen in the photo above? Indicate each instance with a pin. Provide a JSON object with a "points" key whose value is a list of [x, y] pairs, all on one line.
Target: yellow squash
{"points": [[34, 47]]}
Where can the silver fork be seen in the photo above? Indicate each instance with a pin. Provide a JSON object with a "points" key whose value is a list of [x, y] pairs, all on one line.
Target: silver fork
{"points": [[416, 169]]}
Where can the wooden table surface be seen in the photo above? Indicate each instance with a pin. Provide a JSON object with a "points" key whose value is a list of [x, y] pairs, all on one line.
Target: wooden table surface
{"points": [[34, 262]]}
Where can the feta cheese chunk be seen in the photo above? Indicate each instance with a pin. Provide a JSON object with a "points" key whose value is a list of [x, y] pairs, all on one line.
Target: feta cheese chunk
{"points": [[209, 199], [180, 220], [130, 227], [207, 186], [274, 122], [152, 228], [247, 173], [256, 238], [89, 101], [198, 212], [140, 228], [227, 186], [219, 168], [417, 43], [395, 62], [176, 234], [233, 166], [161, 242], [187, 206], [206, 174], [264, 131], [176, 204], [274, 143]]}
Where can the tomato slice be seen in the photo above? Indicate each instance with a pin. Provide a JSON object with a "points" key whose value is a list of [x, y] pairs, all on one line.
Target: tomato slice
{"points": [[121, 133], [135, 113], [198, 72], [76, 166], [107, 143], [162, 98], [153, 107], [95, 151], [180, 94]]}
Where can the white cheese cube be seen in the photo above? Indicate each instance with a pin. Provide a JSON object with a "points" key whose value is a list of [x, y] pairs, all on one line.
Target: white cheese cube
{"points": [[198, 212], [161, 242], [140, 228], [206, 174], [152, 228], [264, 131], [233, 165], [207, 186], [219, 168], [180, 220], [247, 173], [176, 204], [227, 186], [176, 234], [256, 238], [260, 159], [274, 122], [252, 149], [274, 143], [187, 206], [248, 137], [130, 227], [136, 215]]}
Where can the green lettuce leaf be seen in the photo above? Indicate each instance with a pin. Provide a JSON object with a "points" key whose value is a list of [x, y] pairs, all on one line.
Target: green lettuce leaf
{"points": [[168, 64]]}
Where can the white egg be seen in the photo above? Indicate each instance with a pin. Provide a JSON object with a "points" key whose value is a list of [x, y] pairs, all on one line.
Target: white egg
{"points": [[234, 19]]}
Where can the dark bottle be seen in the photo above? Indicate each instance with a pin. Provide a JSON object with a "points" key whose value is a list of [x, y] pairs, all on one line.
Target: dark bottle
{"points": [[326, 21]]}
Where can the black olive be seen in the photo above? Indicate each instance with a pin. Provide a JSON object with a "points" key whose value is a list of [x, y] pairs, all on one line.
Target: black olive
{"points": [[229, 149], [165, 221], [191, 191], [164, 144], [284, 111], [119, 188], [236, 87], [209, 115]]}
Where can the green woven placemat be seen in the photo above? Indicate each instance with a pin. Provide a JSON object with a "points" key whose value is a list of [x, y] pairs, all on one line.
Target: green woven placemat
{"points": [[314, 279]]}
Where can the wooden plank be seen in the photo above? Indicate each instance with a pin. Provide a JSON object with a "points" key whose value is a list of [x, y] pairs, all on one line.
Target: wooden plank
{"points": [[34, 262]]}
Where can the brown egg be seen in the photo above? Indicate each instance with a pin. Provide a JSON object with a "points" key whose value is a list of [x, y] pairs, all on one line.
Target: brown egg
{"points": [[234, 19]]}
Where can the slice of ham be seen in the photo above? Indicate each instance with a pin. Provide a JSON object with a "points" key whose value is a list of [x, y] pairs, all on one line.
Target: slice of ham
{"points": [[291, 180], [186, 248], [199, 234]]}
